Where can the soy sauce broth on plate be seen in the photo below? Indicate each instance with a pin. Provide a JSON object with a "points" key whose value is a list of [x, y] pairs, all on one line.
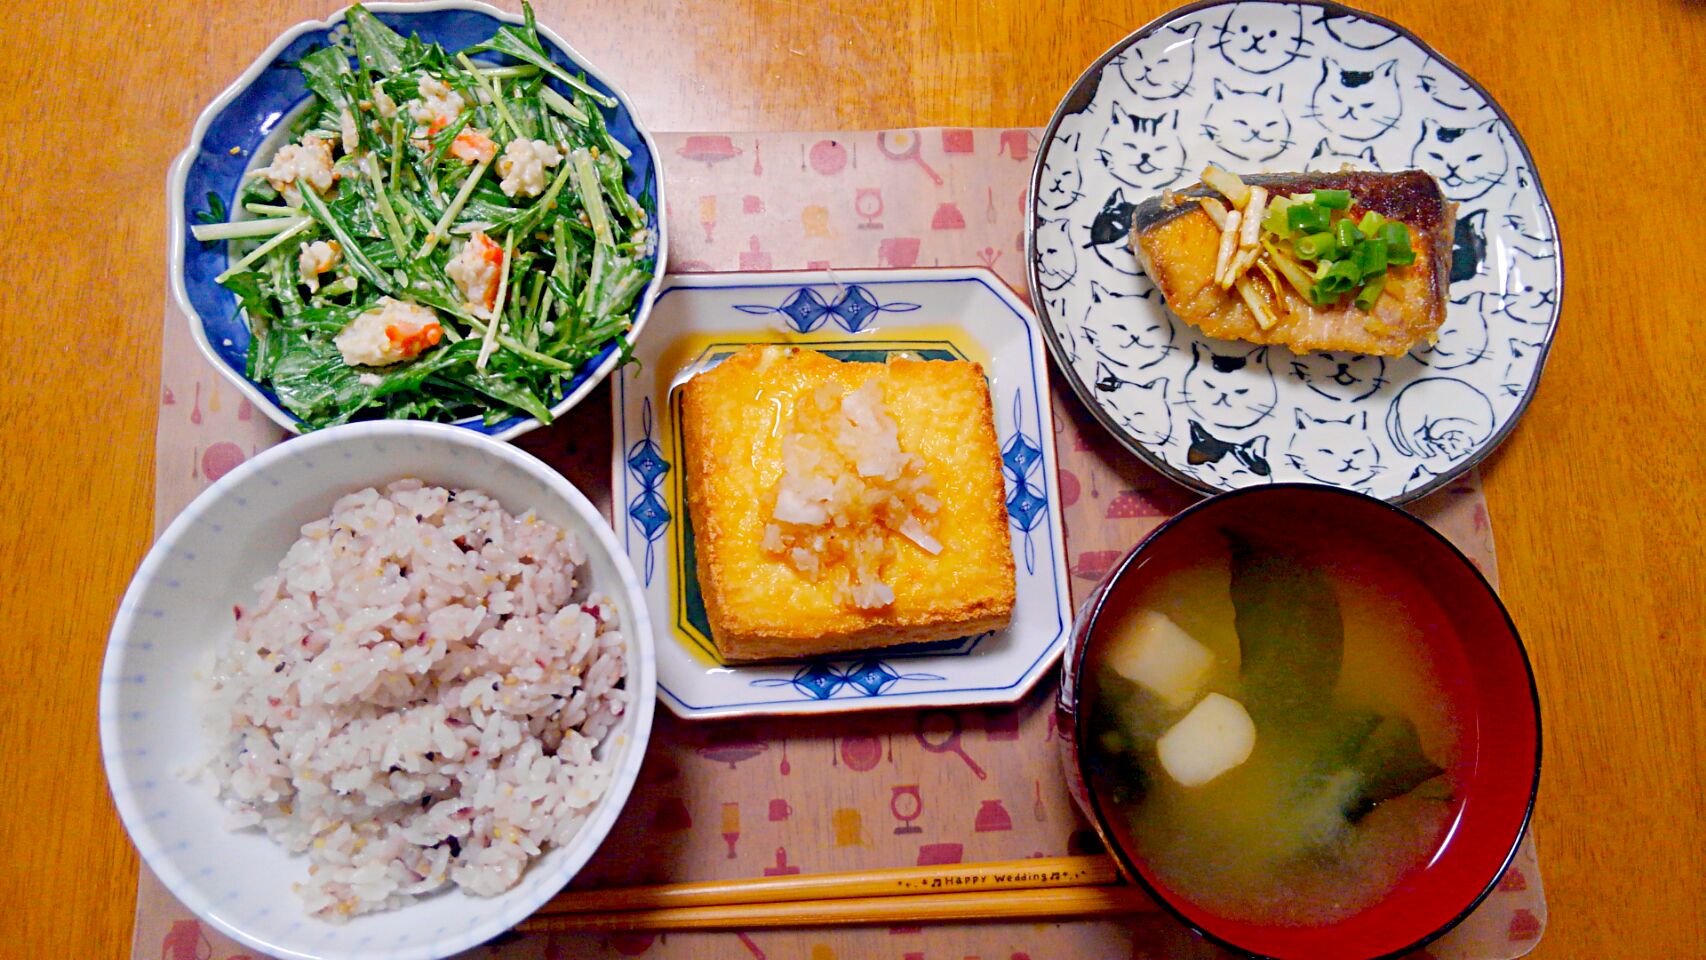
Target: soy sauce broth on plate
{"points": [[1273, 724]]}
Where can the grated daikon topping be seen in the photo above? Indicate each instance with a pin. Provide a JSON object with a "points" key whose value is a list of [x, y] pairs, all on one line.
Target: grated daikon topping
{"points": [[847, 489]]}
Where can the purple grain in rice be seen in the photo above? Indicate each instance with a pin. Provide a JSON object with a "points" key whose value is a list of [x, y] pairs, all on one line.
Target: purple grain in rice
{"points": [[411, 712]]}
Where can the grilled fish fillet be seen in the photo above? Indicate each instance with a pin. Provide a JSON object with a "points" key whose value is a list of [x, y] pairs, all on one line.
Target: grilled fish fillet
{"points": [[1177, 243]]}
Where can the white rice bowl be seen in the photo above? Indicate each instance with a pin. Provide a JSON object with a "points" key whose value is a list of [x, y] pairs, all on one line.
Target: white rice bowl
{"points": [[178, 657], [416, 697]]}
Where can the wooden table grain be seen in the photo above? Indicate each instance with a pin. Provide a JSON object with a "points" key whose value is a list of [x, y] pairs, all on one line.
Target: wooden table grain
{"points": [[1597, 499]]}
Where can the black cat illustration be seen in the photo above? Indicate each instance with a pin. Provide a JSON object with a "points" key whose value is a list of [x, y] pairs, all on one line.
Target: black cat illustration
{"points": [[1110, 232], [1222, 463], [1230, 390]]}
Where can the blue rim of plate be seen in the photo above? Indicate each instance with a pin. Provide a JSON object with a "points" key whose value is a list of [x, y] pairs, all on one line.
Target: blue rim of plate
{"points": [[1079, 96], [267, 93]]}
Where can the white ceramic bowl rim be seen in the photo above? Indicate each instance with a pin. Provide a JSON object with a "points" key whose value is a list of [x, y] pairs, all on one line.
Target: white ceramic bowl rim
{"points": [[641, 679], [179, 172]]}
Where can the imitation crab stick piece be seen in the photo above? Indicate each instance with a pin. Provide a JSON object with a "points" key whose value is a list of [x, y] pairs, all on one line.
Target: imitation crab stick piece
{"points": [[390, 333]]}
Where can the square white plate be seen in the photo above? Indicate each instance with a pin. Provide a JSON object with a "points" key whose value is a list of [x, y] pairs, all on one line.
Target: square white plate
{"points": [[861, 315]]}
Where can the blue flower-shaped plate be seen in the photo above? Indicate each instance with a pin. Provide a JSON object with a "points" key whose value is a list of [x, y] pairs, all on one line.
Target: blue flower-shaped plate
{"points": [[240, 129], [864, 315]]}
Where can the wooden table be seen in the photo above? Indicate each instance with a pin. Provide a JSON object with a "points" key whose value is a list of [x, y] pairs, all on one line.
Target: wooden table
{"points": [[1597, 499]]}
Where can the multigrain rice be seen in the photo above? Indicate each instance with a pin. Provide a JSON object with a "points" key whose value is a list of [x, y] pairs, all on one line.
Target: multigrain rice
{"points": [[415, 699]]}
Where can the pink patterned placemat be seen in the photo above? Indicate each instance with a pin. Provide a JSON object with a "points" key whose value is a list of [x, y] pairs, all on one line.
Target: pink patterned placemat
{"points": [[720, 799]]}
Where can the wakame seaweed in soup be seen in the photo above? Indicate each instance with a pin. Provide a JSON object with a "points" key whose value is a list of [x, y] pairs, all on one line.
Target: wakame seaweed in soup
{"points": [[1276, 739]]}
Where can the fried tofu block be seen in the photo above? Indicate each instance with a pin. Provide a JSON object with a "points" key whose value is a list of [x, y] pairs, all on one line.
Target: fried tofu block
{"points": [[734, 418]]}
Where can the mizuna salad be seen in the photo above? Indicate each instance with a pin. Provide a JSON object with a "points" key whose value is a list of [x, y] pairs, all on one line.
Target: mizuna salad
{"points": [[442, 238]]}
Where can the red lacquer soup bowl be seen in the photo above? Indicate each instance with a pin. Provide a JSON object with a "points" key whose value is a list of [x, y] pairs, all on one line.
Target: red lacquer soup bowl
{"points": [[1484, 679]]}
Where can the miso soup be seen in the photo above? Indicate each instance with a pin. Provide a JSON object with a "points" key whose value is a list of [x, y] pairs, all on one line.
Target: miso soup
{"points": [[1271, 728]]}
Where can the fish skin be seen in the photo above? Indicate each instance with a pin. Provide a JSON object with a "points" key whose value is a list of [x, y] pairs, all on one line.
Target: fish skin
{"points": [[1177, 244]]}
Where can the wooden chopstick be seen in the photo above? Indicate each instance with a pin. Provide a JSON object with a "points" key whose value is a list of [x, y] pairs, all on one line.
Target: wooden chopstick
{"points": [[1030, 874], [1079, 902]]}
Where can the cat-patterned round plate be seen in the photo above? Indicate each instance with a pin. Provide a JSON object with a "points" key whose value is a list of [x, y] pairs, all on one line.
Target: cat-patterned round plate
{"points": [[1285, 87]]}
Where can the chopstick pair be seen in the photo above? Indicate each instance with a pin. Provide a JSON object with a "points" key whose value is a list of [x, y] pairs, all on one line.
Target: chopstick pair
{"points": [[1050, 887]]}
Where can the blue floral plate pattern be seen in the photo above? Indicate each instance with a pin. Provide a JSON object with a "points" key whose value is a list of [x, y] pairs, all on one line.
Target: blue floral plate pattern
{"points": [[861, 315], [1267, 86]]}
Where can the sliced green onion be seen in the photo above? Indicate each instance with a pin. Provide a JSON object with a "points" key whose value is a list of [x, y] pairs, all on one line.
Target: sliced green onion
{"points": [[1340, 278], [1333, 199], [1397, 239], [1343, 278], [1370, 293], [1347, 234], [1274, 221], [1325, 257], [1370, 258], [1317, 246], [1307, 218]]}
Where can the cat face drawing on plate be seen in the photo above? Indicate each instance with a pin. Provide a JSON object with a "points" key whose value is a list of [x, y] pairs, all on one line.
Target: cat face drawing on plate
{"points": [[1223, 463], [1230, 390], [1469, 246], [1063, 178], [1143, 151], [1163, 71], [1530, 292], [1468, 161], [1519, 372], [1054, 304], [1438, 421], [1462, 337], [1353, 31], [1110, 234], [1340, 376], [1448, 90], [1057, 259], [1338, 452], [1140, 407], [1524, 179], [1258, 38], [1538, 238], [1248, 125], [1357, 104], [1326, 158], [1128, 335]]}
